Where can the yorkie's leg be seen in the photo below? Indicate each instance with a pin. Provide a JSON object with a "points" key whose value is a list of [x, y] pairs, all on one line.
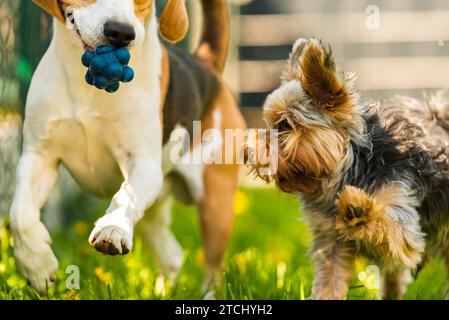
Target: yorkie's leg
{"points": [[395, 283], [334, 266], [387, 221]]}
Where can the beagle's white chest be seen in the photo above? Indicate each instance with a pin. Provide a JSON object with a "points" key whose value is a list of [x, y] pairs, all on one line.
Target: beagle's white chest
{"points": [[97, 137], [87, 156]]}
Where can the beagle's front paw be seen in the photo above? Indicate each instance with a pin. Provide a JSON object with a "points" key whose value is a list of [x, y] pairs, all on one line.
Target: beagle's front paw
{"points": [[35, 259], [359, 216], [112, 235]]}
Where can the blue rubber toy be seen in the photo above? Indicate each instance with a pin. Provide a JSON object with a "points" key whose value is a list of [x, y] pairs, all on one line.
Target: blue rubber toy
{"points": [[107, 68]]}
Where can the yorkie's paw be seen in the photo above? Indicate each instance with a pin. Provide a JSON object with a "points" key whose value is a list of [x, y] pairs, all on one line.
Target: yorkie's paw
{"points": [[356, 216], [359, 215]]}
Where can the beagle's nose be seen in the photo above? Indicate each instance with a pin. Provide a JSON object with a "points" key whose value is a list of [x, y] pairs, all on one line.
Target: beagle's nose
{"points": [[119, 34]]}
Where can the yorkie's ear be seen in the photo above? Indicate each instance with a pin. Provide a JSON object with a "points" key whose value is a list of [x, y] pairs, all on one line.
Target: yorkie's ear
{"points": [[314, 67], [293, 71], [320, 80], [174, 21]]}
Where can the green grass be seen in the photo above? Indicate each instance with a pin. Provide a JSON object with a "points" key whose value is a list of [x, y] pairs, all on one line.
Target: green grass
{"points": [[267, 259]]}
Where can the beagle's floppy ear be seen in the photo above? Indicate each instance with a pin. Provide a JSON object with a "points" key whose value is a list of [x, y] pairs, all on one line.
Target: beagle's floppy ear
{"points": [[174, 21], [52, 7]]}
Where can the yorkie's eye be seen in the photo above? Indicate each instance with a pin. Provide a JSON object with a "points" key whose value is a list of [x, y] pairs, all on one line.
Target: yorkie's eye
{"points": [[283, 126]]}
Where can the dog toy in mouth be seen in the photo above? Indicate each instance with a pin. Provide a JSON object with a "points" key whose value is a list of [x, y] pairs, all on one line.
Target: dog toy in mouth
{"points": [[107, 68]]}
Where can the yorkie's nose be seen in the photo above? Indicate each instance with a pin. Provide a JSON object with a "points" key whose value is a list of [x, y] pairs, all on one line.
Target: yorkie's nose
{"points": [[119, 34]]}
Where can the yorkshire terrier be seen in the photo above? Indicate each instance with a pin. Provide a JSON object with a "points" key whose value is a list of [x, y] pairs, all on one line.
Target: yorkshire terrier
{"points": [[373, 178]]}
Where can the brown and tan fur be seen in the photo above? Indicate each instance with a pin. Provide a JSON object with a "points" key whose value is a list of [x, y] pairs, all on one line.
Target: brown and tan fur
{"points": [[373, 179]]}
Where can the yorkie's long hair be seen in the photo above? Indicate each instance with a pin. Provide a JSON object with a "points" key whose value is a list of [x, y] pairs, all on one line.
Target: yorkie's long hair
{"points": [[373, 178]]}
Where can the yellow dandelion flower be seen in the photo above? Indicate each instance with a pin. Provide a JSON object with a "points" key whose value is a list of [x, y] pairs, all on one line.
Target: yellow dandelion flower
{"points": [[241, 262], [200, 257], [103, 276], [80, 228], [11, 282], [145, 293], [242, 259], [278, 256], [71, 295], [359, 264], [241, 203]]}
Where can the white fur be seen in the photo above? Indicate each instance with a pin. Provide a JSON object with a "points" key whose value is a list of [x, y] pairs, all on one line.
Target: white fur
{"points": [[401, 205], [102, 139], [159, 237], [299, 42], [89, 20], [290, 95]]}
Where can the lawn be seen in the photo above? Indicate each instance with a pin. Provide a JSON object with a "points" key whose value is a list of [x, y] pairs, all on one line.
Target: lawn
{"points": [[268, 259]]}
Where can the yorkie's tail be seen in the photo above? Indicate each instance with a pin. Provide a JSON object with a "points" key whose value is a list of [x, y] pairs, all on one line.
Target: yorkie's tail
{"points": [[439, 106], [434, 108]]}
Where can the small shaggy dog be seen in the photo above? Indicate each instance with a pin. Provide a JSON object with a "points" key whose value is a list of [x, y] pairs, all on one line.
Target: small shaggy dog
{"points": [[373, 179]]}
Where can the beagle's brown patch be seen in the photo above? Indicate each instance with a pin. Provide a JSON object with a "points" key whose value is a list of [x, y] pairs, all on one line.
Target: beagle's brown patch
{"points": [[220, 185], [165, 80], [174, 21]]}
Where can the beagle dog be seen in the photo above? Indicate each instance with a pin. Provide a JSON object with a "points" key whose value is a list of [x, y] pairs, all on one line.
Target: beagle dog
{"points": [[115, 145]]}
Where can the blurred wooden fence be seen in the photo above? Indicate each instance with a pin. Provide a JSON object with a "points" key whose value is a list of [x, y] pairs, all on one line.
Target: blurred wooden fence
{"points": [[407, 54], [24, 36]]}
